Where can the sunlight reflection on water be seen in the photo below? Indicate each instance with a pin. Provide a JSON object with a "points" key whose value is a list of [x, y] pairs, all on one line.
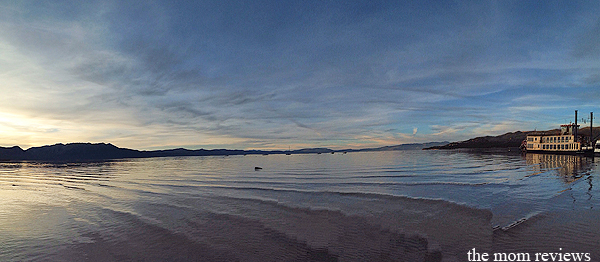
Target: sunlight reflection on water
{"points": [[399, 205]]}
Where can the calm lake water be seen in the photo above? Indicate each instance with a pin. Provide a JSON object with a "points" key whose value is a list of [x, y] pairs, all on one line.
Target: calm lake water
{"points": [[375, 206]]}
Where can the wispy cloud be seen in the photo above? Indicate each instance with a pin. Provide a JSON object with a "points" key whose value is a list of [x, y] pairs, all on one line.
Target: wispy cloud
{"points": [[264, 74]]}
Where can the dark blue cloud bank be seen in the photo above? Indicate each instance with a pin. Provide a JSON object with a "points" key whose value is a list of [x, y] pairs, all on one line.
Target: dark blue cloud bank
{"points": [[273, 74]]}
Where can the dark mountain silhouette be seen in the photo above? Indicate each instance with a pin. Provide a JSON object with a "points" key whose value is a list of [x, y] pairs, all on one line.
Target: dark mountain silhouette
{"points": [[14, 152], [512, 139], [75, 151], [104, 151], [413, 146]]}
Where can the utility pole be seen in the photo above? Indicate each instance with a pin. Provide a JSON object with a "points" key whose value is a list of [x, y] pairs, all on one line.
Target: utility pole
{"points": [[592, 142]]}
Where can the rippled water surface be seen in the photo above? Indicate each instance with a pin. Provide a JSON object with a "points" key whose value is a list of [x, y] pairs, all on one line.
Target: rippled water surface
{"points": [[377, 206]]}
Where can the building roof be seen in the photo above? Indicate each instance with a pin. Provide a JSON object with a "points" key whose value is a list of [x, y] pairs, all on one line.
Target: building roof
{"points": [[554, 132]]}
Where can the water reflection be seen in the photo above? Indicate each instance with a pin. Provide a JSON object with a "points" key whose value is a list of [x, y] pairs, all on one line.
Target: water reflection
{"points": [[56, 173], [558, 210], [569, 168], [335, 206]]}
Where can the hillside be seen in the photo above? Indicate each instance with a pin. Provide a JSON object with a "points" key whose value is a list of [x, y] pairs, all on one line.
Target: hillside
{"points": [[104, 151], [512, 139], [412, 146]]}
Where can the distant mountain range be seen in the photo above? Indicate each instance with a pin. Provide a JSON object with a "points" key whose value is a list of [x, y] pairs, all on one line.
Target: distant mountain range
{"points": [[104, 151], [414, 146], [511, 139]]}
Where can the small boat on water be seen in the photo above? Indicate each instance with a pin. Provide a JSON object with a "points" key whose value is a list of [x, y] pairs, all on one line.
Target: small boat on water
{"points": [[563, 141]]}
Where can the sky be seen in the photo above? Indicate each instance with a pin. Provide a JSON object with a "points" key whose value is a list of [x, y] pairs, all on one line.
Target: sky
{"points": [[292, 74]]}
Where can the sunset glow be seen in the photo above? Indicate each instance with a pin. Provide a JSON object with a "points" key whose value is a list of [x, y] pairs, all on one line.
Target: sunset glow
{"points": [[275, 75]]}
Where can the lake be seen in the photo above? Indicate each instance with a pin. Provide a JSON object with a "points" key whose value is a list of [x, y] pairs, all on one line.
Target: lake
{"points": [[363, 206]]}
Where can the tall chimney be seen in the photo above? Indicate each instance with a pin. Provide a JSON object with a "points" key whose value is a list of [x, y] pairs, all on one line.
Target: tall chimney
{"points": [[575, 127], [592, 129]]}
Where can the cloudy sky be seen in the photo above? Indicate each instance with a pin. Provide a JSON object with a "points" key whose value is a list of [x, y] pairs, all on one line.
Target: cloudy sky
{"points": [[276, 74]]}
